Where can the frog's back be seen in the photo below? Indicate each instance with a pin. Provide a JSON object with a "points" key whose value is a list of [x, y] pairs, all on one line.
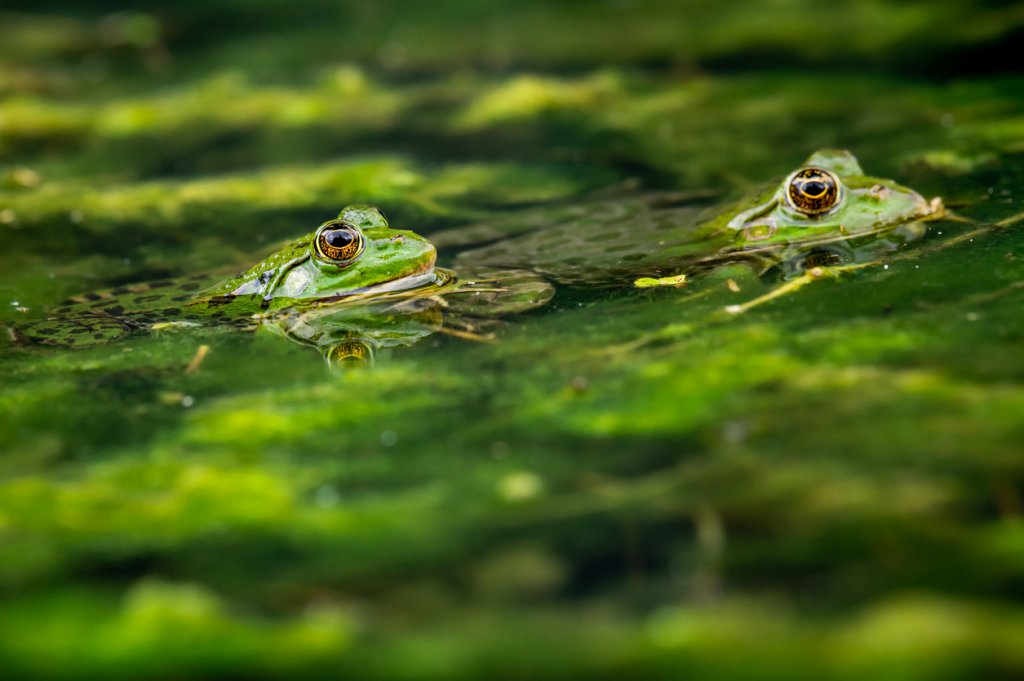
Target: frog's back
{"points": [[107, 315]]}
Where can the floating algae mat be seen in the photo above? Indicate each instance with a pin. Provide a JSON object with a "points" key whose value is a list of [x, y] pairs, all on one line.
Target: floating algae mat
{"points": [[632, 371]]}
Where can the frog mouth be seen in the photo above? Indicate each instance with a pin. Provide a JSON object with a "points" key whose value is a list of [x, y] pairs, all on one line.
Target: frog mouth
{"points": [[410, 281], [426, 280], [423, 275]]}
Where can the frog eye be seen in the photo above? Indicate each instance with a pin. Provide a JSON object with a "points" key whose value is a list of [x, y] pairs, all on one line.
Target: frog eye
{"points": [[349, 354], [338, 243], [813, 191]]}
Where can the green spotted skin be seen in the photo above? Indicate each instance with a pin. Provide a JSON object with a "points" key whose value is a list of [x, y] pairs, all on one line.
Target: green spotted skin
{"points": [[390, 260], [611, 242]]}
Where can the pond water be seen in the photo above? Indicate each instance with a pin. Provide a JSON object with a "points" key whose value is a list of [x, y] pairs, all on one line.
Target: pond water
{"points": [[617, 483]]}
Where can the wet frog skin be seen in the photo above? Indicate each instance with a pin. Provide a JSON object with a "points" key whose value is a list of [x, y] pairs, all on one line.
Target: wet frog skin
{"points": [[356, 255], [827, 211]]}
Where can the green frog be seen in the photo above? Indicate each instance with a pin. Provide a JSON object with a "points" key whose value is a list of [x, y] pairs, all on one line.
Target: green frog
{"points": [[351, 259], [825, 212]]}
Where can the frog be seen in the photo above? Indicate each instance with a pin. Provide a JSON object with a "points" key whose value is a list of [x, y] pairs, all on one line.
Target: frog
{"points": [[827, 211], [353, 258]]}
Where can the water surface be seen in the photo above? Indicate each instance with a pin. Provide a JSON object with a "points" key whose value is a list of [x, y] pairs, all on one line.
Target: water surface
{"points": [[625, 482]]}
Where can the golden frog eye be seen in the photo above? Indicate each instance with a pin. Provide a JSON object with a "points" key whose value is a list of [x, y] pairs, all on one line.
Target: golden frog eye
{"points": [[813, 191], [338, 243], [349, 354]]}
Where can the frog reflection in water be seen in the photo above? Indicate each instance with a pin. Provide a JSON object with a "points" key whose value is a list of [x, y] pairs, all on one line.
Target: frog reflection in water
{"points": [[351, 336], [825, 212], [355, 257]]}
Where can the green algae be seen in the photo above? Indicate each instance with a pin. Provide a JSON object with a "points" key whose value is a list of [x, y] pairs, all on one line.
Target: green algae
{"points": [[627, 483]]}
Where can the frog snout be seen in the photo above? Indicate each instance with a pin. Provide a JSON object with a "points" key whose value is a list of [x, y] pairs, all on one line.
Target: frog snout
{"points": [[924, 206], [416, 248], [430, 251]]}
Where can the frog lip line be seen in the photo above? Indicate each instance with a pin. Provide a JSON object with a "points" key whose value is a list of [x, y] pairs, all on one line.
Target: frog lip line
{"points": [[424, 276]]}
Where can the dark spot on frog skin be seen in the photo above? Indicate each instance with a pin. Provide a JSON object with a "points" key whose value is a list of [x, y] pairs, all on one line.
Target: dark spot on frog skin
{"points": [[189, 286]]}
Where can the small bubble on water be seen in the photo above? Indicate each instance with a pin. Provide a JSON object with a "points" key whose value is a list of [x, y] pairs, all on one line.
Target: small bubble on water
{"points": [[520, 486], [972, 316], [388, 438], [187, 401], [327, 496], [734, 432]]}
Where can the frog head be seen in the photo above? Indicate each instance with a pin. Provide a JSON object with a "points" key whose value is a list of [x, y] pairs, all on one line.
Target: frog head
{"points": [[357, 252], [827, 199]]}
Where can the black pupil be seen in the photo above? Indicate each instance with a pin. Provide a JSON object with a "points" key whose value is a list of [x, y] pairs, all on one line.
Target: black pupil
{"points": [[339, 238], [815, 188]]}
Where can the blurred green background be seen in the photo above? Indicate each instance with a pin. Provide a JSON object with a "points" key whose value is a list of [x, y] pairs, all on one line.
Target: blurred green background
{"points": [[623, 486]]}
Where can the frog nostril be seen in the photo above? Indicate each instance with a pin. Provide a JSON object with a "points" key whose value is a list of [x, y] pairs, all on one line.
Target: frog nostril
{"points": [[760, 230], [879, 191], [397, 239]]}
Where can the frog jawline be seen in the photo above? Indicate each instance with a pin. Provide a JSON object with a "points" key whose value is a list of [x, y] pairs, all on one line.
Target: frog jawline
{"points": [[404, 284], [431, 277]]}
